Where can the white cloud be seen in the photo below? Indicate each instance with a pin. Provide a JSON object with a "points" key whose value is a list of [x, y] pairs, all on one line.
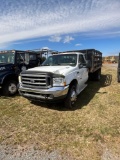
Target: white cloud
{"points": [[55, 38], [58, 38], [67, 39], [78, 44], [45, 48], [64, 39], [21, 19]]}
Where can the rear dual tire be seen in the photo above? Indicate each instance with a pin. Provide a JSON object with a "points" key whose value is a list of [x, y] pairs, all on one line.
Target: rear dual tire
{"points": [[96, 76]]}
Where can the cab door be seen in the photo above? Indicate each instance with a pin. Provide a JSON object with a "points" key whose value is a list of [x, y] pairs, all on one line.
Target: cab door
{"points": [[33, 60], [82, 72], [20, 61]]}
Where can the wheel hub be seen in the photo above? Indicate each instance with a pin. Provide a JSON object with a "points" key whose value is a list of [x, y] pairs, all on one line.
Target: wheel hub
{"points": [[12, 88], [73, 97]]}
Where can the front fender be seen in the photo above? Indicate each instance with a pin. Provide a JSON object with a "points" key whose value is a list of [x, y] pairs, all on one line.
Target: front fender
{"points": [[70, 77], [6, 75]]}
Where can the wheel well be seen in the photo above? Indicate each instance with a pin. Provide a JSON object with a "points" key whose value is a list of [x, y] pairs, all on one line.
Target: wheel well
{"points": [[93, 76], [10, 77], [99, 70], [74, 82]]}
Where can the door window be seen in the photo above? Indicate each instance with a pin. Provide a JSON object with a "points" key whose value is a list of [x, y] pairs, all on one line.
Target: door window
{"points": [[20, 57], [82, 60]]}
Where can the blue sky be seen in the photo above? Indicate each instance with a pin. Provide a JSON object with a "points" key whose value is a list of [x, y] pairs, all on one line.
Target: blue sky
{"points": [[60, 25]]}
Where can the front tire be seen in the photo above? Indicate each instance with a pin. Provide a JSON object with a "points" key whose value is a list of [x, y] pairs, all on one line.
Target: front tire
{"points": [[10, 88], [71, 97]]}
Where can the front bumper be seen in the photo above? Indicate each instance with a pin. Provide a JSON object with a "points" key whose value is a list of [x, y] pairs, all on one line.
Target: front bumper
{"points": [[44, 95]]}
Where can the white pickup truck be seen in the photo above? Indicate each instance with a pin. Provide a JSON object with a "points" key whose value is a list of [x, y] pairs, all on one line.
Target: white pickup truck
{"points": [[61, 77]]}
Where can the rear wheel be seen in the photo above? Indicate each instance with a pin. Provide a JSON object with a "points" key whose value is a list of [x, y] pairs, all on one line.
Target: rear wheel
{"points": [[10, 88], [71, 97], [96, 75]]}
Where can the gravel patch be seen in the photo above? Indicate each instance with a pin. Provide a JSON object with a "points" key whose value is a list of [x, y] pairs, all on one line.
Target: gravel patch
{"points": [[108, 155], [29, 153]]}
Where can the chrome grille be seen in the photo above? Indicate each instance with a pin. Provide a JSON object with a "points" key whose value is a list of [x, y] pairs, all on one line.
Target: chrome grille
{"points": [[41, 80]]}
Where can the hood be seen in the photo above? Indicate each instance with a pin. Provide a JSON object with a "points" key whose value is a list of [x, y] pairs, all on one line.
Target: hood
{"points": [[53, 69], [5, 66]]}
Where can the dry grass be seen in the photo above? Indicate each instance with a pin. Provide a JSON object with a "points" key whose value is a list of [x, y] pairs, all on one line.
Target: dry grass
{"points": [[90, 131]]}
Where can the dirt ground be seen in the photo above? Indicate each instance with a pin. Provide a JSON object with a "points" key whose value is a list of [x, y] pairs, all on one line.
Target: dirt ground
{"points": [[111, 66]]}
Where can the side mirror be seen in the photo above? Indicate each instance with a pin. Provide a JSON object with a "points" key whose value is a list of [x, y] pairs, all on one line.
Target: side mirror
{"points": [[80, 65], [88, 64]]}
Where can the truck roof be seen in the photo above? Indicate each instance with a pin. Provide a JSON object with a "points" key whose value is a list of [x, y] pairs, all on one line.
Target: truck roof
{"points": [[71, 52], [13, 51], [5, 51], [83, 51]]}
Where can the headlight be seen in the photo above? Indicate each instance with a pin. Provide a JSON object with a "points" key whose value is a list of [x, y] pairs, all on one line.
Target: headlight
{"points": [[19, 78], [59, 82]]}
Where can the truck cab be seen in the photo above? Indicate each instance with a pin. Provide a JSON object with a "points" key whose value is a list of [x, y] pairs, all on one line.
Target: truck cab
{"points": [[12, 62]]}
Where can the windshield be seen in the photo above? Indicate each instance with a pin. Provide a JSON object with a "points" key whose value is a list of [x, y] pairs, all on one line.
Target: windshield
{"points": [[62, 59], [7, 57]]}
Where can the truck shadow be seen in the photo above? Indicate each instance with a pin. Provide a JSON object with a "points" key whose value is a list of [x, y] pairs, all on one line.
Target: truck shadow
{"points": [[7, 97], [84, 97], [93, 87]]}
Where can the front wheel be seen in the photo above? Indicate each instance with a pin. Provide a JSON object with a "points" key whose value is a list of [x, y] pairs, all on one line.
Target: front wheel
{"points": [[71, 97], [10, 88]]}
